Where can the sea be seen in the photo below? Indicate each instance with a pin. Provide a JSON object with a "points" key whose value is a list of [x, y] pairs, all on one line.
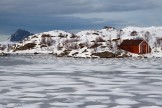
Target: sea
{"points": [[46, 81]]}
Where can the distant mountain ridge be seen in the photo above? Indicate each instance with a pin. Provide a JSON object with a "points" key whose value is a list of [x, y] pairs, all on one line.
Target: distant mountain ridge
{"points": [[20, 35]]}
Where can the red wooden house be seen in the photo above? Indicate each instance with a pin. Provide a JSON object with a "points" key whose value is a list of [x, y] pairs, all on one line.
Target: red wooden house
{"points": [[135, 46]]}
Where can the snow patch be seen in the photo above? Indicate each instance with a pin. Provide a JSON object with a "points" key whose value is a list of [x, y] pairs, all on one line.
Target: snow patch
{"points": [[126, 101]]}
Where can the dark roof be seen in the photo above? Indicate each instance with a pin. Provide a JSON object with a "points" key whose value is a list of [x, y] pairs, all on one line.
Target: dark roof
{"points": [[130, 42]]}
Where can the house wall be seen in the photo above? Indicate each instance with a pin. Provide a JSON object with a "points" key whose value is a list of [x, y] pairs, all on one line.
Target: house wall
{"points": [[144, 48], [132, 49]]}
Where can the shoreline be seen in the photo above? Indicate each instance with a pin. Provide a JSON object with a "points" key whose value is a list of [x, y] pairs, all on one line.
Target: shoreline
{"points": [[151, 55]]}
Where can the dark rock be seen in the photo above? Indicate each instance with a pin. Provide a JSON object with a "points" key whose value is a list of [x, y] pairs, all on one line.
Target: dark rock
{"points": [[105, 54], [26, 46], [65, 53], [108, 27], [75, 53], [134, 33], [20, 35], [3, 54], [36, 53]]}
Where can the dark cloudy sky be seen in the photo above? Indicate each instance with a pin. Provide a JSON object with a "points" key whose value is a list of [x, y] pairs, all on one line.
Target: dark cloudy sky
{"points": [[73, 15]]}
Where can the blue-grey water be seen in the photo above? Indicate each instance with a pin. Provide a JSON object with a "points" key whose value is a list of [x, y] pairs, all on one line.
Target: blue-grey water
{"points": [[49, 82]]}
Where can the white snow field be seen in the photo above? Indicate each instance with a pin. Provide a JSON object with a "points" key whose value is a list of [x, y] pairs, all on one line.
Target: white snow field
{"points": [[48, 82]]}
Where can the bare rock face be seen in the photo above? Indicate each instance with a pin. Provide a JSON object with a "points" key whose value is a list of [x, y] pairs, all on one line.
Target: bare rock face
{"points": [[105, 54], [20, 35], [26, 46]]}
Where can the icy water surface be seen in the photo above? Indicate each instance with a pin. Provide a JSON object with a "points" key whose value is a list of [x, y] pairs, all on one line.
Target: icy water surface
{"points": [[49, 82]]}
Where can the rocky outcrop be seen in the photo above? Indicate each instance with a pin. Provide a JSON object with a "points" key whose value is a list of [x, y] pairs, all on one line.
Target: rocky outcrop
{"points": [[26, 47], [19, 35], [105, 54]]}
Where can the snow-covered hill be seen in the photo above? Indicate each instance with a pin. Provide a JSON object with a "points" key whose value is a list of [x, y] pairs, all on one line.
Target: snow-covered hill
{"points": [[147, 33], [88, 43]]}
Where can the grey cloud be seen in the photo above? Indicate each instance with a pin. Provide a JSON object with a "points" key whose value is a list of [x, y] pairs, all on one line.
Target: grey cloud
{"points": [[43, 15], [61, 7], [45, 23]]}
